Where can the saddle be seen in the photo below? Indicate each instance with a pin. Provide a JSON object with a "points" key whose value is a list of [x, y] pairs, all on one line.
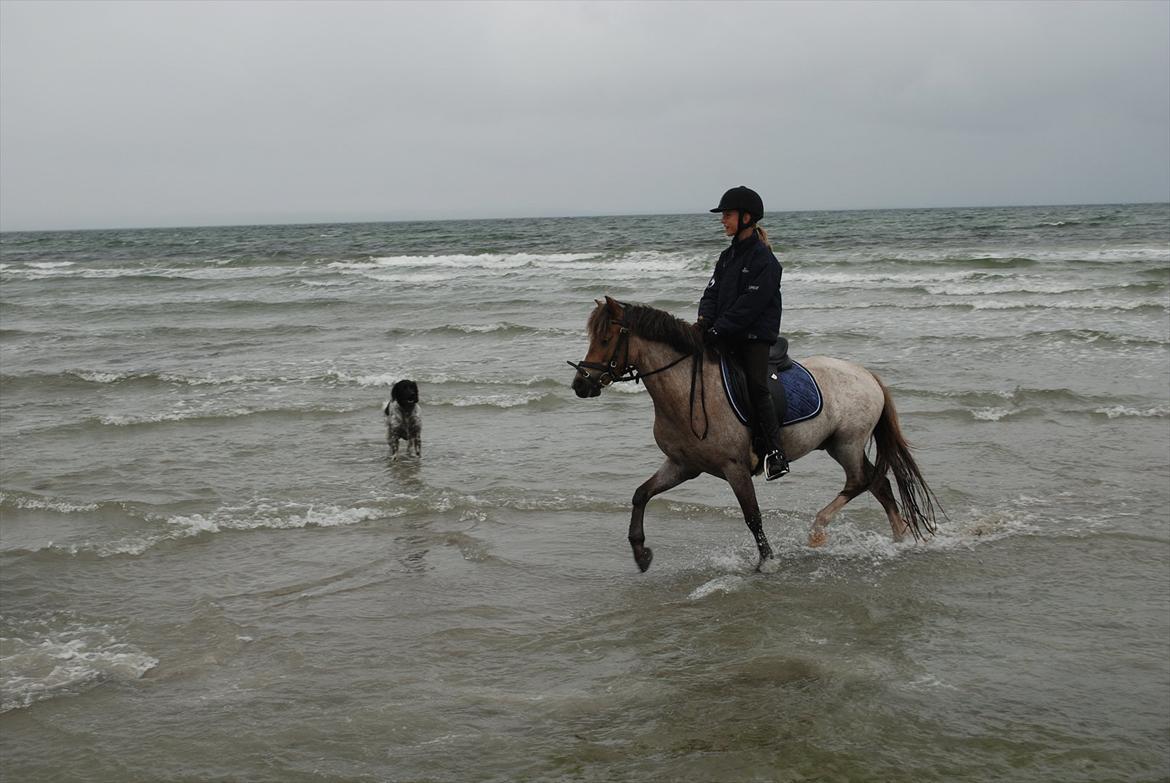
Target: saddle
{"points": [[785, 376]]}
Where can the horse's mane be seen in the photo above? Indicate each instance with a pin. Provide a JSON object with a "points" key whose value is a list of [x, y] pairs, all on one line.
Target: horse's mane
{"points": [[649, 323]]}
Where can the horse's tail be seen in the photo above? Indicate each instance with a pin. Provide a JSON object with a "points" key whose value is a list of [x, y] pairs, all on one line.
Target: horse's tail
{"points": [[918, 502]]}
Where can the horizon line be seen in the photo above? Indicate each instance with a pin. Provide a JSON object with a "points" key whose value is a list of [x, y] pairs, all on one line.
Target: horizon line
{"points": [[359, 222]]}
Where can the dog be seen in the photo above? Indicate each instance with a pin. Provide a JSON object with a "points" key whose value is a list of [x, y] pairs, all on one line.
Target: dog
{"points": [[403, 418]]}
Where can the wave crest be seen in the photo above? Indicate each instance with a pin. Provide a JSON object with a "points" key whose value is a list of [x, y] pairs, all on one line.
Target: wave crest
{"points": [[41, 659]]}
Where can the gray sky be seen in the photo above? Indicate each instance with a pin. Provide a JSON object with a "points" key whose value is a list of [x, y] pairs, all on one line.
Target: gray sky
{"points": [[175, 113]]}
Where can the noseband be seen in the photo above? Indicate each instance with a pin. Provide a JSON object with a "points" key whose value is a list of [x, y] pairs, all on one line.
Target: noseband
{"points": [[628, 372], [609, 370]]}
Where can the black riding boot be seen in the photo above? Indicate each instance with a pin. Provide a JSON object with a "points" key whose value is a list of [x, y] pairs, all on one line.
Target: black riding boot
{"points": [[755, 364]]}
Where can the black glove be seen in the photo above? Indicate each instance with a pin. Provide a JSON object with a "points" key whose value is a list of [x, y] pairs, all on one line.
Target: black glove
{"points": [[711, 339]]}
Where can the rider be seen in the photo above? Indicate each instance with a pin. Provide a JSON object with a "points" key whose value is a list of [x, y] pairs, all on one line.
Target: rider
{"points": [[741, 307]]}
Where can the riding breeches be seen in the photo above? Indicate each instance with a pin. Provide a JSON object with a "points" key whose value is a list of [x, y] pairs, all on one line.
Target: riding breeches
{"points": [[753, 357]]}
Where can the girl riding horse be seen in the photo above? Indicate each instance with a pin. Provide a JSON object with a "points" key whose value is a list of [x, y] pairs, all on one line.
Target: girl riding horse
{"points": [[741, 308]]}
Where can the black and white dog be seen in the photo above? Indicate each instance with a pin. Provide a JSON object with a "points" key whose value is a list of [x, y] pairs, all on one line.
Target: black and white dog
{"points": [[403, 418]]}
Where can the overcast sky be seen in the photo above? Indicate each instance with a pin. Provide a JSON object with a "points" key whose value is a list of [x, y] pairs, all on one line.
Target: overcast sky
{"points": [[171, 113]]}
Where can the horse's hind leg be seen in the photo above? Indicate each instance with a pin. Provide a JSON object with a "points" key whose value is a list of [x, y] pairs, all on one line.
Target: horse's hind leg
{"points": [[669, 474], [851, 457], [880, 488]]}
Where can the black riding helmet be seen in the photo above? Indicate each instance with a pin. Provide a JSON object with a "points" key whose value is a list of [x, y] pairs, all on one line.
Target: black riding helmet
{"points": [[742, 199]]}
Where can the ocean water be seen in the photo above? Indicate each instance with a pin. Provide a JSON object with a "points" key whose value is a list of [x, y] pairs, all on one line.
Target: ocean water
{"points": [[210, 570]]}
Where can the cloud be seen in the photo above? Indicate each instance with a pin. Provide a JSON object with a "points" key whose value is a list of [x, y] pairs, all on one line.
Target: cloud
{"points": [[180, 112]]}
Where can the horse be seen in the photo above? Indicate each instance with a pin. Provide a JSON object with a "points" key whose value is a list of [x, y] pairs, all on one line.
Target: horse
{"points": [[699, 433]]}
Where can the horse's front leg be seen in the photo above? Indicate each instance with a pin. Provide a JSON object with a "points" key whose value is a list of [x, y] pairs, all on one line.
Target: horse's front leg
{"points": [[670, 474], [745, 492]]}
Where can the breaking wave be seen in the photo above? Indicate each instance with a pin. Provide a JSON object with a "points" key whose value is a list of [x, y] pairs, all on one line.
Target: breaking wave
{"points": [[63, 655]]}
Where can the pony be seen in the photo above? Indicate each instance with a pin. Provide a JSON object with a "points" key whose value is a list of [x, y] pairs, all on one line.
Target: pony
{"points": [[699, 433]]}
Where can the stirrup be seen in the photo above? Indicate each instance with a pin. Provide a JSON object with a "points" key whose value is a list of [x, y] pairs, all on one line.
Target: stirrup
{"points": [[776, 465]]}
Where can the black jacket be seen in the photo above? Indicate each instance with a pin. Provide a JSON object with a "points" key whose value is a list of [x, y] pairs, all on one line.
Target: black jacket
{"points": [[742, 300]]}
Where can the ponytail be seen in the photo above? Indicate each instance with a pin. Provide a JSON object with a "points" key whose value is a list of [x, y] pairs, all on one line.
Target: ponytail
{"points": [[763, 235]]}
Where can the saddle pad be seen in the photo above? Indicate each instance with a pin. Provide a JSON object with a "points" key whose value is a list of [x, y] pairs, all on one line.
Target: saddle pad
{"points": [[799, 386]]}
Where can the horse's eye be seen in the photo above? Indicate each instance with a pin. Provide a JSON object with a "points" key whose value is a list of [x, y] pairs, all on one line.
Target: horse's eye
{"points": [[605, 342]]}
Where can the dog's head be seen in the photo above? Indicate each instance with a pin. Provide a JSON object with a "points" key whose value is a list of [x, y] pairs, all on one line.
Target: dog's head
{"points": [[405, 393]]}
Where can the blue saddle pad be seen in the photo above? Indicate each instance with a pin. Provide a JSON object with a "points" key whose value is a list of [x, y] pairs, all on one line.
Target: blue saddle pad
{"points": [[799, 386]]}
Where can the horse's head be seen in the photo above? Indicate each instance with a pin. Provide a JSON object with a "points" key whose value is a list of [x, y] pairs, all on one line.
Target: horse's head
{"points": [[608, 357]]}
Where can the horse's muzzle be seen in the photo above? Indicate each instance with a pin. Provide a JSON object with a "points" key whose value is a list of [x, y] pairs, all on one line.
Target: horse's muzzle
{"points": [[584, 385]]}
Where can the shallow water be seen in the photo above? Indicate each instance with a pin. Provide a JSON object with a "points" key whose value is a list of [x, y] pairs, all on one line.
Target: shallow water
{"points": [[209, 570]]}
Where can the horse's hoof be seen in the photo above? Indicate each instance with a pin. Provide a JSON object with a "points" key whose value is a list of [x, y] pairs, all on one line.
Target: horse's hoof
{"points": [[644, 561], [818, 538], [768, 566], [765, 554]]}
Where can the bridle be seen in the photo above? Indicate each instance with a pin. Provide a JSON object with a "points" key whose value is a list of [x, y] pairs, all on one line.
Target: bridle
{"points": [[628, 372], [609, 369]]}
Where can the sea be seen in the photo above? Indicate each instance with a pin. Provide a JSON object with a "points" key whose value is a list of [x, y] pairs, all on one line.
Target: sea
{"points": [[211, 569]]}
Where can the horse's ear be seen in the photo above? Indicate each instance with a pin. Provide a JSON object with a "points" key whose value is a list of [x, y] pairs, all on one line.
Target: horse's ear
{"points": [[615, 307], [599, 303]]}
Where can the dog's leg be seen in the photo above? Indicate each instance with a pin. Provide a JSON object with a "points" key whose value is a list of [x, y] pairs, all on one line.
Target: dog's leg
{"points": [[416, 445], [393, 449]]}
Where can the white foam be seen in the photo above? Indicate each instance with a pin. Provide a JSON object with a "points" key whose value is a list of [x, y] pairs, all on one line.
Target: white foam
{"points": [[273, 516], [593, 266], [720, 584], [380, 379], [498, 400], [263, 515], [991, 414], [977, 526], [208, 380], [98, 376], [847, 542], [61, 506], [416, 277], [50, 264], [38, 663], [158, 418], [852, 544], [389, 379], [459, 261], [49, 270], [424, 269], [929, 682], [1119, 411], [101, 377], [635, 265]]}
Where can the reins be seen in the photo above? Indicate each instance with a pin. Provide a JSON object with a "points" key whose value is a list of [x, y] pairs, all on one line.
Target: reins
{"points": [[629, 372], [697, 371]]}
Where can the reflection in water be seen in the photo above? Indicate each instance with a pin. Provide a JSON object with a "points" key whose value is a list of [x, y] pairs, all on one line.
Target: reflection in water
{"points": [[406, 472]]}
